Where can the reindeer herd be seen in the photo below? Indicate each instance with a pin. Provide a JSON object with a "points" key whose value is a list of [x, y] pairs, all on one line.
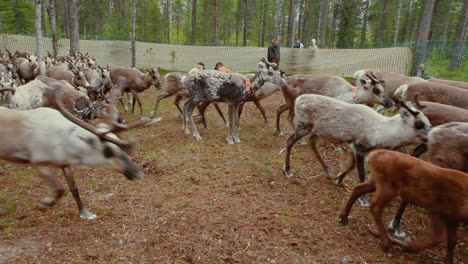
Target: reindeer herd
{"points": [[64, 112]]}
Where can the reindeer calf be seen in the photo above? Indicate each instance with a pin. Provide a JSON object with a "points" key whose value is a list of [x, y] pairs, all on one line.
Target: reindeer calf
{"points": [[442, 192]]}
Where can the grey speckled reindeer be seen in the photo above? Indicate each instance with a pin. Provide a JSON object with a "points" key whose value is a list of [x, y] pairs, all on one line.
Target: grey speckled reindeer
{"points": [[230, 88]]}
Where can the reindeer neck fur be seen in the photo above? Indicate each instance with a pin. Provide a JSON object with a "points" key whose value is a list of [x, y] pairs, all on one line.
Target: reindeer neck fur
{"points": [[391, 133], [147, 81], [256, 82]]}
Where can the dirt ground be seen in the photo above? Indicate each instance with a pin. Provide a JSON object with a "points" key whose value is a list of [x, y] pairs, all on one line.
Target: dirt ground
{"points": [[202, 202]]}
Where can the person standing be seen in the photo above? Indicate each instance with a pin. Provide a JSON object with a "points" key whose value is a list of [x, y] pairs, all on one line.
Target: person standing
{"points": [[297, 43], [274, 53]]}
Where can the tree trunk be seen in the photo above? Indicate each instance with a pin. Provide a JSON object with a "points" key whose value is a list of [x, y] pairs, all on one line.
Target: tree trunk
{"points": [[457, 53], [397, 23], [305, 19], [132, 34], [333, 25], [73, 26], [245, 25], [381, 29], [291, 19], [365, 20], [194, 21], [53, 25], [279, 21], [216, 25], [426, 18], [322, 23], [261, 41], [38, 28], [299, 21], [168, 19], [421, 47], [405, 24]]}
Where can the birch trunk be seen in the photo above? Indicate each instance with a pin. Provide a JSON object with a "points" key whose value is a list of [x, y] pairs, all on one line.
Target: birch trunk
{"points": [[132, 34]]}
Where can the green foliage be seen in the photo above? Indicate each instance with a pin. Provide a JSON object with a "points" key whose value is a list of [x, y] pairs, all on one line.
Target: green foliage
{"points": [[17, 16]]}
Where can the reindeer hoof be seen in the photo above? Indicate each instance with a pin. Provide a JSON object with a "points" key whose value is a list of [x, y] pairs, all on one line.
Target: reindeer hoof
{"points": [[279, 133], [397, 231], [338, 181], [154, 121], [343, 220], [198, 137], [186, 131], [288, 173], [47, 202], [363, 201], [85, 214]]}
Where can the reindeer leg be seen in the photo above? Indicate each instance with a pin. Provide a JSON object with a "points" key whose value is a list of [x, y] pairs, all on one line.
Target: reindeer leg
{"points": [[135, 96], [229, 138], [394, 225], [188, 114], [262, 111], [437, 236], [279, 111], [419, 150], [340, 176], [220, 114], [176, 102], [67, 172], [201, 109], [451, 228], [381, 199], [300, 132], [163, 95], [235, 112], [313, 145], [47, 174], [358, 191], [360, 152]]}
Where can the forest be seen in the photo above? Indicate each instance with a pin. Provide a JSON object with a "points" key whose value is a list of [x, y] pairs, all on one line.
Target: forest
{"points": [[334, 23]]}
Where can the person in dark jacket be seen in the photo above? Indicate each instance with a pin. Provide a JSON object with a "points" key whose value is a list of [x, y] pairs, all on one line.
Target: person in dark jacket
{"points": [[274, 53]]}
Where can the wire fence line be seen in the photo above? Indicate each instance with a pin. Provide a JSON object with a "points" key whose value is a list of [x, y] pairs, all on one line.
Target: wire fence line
{"points": [[333, 61]]}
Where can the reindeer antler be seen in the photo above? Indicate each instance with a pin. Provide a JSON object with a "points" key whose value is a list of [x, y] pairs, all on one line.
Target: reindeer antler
{"points": [[416, 101], [54, 92], [403, 103]]}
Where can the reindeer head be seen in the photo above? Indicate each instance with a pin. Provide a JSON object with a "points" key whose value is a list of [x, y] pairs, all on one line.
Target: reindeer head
{"points": [[370, 88], [419, 122], [107, 148], [155, 75], [267, 73]]}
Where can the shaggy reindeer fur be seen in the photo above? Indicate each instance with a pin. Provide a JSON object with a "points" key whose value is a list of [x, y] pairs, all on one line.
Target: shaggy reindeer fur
{"points": [[231, 88], [263, 92], [331, 86], [391, 80], [434, 92], [45, 139], [174, 85], [442, 192], [448, 148], [358, 125]]}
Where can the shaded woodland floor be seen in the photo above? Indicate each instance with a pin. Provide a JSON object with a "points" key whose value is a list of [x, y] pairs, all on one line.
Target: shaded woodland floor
{"points": [[202, 202]]}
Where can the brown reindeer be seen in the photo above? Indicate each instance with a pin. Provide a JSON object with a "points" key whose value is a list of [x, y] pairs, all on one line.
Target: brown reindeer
{"points": [[442, 192], [134, 81]]}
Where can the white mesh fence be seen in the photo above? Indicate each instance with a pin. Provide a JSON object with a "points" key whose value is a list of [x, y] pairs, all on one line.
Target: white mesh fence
{"points": [[341, 62]]}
